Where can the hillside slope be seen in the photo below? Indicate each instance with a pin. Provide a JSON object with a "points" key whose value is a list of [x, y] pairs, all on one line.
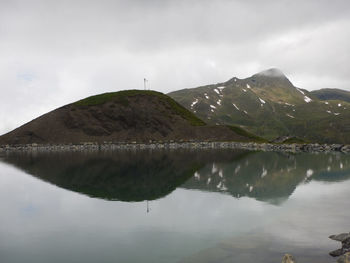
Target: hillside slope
{"points": [[269, 105], [332, 94], [123, 116]]}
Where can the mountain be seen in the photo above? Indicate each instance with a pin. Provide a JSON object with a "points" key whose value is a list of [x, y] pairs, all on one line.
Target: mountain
{"points": [[269, 105], [332, 94], [123, 116]]}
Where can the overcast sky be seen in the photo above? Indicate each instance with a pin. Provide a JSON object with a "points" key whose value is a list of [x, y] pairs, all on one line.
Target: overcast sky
{"points": [[55, 52]]}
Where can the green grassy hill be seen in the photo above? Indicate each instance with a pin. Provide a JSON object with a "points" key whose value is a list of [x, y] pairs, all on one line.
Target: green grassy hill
{"points": [[269, 105]]}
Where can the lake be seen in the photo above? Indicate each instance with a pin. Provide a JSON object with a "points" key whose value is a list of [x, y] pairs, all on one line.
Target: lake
{"points": [[172, 206]]}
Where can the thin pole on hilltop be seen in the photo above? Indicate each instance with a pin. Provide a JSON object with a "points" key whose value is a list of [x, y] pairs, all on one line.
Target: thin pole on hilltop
{"points": [[145, 83]]}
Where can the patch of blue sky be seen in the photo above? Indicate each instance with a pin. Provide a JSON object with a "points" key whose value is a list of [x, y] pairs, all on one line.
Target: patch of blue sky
{"points": [[26, 76]]}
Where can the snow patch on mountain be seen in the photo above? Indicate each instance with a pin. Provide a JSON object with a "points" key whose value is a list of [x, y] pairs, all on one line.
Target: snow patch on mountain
{"points": [[307, 99], [194, 103], [262, 101]]}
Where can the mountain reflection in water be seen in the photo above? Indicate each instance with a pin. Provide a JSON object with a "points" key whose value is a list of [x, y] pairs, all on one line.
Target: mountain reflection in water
{"points": [[149, 175]]}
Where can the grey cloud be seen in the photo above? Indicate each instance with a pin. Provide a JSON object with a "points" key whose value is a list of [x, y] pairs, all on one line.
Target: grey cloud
{"points": [[80, 26]]}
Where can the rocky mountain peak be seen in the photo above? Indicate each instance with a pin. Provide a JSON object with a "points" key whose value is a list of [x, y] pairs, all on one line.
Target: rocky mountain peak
{"points": [[272, 72], [271, 78]]}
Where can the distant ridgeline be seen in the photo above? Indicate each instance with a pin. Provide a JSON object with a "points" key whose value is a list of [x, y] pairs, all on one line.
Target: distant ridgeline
{"points": [[269, 105]]}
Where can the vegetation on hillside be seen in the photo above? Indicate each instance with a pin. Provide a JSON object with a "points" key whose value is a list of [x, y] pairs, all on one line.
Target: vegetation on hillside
{"points": [[244, 133], [121, 97], [332, 94]]}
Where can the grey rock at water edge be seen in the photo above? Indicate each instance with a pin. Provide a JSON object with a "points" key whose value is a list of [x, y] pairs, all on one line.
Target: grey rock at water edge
{"points": [[288, 259], [337, 253], [344, 238], [341, 237], [344, 258]]}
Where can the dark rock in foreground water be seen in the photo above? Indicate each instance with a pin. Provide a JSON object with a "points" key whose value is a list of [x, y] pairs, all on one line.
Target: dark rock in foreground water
{"points": [[344, 238]]}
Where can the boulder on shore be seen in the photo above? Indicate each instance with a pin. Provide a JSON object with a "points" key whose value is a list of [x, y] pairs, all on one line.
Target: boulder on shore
{"points": [[344, 238], [344, 258], [288, 259]]}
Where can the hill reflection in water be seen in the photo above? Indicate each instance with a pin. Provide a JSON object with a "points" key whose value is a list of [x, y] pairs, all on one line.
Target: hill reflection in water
{"points": [[149, 175]]}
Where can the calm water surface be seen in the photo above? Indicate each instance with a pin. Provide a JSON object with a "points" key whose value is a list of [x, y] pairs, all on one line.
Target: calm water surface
{"points": [[172, 206]]}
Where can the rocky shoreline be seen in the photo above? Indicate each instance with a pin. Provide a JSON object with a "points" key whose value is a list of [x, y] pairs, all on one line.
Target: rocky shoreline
{"points": [[90, 146], [343, 253]]}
